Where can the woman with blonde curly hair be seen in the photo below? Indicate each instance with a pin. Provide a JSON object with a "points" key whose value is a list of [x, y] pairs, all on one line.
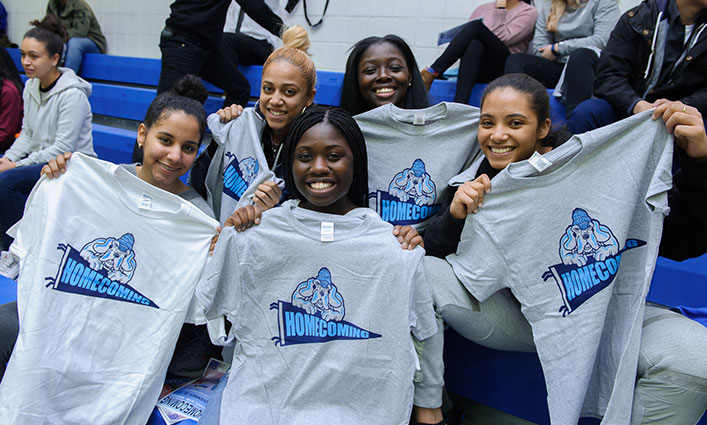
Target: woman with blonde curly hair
{"points": [[255, 139], [569, 35]]}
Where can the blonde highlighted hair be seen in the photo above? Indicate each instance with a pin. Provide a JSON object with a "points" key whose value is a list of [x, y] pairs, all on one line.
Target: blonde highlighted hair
{"points": [[295, 51], [557, 9]]}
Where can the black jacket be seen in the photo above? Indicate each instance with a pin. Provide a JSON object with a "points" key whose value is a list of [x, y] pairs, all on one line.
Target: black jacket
{"points": [[203, 20], [620, 72]]}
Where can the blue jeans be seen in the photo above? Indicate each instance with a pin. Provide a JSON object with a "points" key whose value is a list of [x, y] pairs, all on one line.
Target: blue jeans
{"points": [[212, 412], [591, 114], [15, 186], [76, 47]]}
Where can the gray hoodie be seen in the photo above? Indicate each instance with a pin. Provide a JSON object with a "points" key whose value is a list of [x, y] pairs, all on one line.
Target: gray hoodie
{"points": [[54, 122]]}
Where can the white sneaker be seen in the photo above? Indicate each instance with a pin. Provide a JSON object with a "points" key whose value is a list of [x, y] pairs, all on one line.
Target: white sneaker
{"points": [[9, 265]]}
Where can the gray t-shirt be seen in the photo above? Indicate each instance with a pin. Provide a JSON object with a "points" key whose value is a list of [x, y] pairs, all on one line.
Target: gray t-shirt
{"points": [[239, 164], [322, 329], [411, 155], [556, 239], [190, 194]]}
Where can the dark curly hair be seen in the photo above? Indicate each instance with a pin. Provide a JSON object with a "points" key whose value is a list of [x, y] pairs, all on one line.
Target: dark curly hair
{"points": [[187, 95], [51, 32]]}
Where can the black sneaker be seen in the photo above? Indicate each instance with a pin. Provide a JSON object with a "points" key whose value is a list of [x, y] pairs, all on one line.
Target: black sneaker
{"points": [[192, 352]]}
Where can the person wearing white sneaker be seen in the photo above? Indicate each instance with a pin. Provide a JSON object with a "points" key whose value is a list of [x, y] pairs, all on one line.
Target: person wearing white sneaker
{"points": [[9, 265]]}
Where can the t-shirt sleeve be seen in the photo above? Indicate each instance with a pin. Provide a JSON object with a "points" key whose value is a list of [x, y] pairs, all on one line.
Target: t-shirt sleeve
{"points": [[219, 288], [662, 179], [422, 316], [478, 263]]}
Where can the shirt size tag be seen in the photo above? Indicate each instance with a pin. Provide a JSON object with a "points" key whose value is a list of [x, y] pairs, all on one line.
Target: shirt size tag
{"points": [[327, 231], [145, 202], [418, 118], [539, 162]]}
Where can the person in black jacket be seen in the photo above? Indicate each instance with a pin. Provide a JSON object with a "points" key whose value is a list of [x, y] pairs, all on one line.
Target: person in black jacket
{"points": [[656, 53], [190, 44], [671, 386]]}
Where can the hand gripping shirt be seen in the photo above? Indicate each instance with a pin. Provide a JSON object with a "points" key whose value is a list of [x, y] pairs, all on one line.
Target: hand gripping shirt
{"points": [[322, 329], [412, 153], [109, 264], [577, 245], [239, 164]]}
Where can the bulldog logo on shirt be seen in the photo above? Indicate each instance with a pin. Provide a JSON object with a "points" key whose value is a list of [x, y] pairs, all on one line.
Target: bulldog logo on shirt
{"points": [[410, 197], [238, 175], [590, 257], [102, 268], [315, 314]]}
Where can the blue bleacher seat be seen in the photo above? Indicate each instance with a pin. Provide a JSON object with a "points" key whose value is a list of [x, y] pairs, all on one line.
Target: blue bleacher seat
{"points": [[8, 290]]}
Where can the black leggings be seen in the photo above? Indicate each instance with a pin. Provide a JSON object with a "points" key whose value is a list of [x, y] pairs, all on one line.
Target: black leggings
{"points": [[482, 57], [579, 76], [9, 328]]}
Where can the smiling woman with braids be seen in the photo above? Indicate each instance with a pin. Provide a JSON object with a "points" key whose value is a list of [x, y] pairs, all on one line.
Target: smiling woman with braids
{"points": [[382, 70]]}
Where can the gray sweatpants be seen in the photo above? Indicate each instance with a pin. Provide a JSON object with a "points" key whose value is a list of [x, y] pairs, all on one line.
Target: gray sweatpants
{"points": [[671, 386]]}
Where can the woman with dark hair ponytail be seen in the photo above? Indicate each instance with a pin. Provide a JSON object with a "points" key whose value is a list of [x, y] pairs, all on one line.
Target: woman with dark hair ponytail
{"points": [[514, 126], [57, 118], [170, 136]]}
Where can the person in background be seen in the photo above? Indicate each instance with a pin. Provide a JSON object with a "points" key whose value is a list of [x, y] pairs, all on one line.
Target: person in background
{"points": [[10, 105], [245, 42], [638, 71], [191, 44], [191, 38], [4, 40], [82, 27], [494, 31], [57, 119], [564, 51]]}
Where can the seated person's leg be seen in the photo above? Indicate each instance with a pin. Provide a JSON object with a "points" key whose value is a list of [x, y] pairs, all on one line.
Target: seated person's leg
{"points": [[495, 323], [9, 329], [430, 380], [672, 370], [76, 47], [579, 78], [591, 114], [545, 71], [15, 186]]}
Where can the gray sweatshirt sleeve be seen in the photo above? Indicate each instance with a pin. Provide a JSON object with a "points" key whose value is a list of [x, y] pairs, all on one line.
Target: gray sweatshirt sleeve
{"points": [[541, 37], [605, 14], [72, 112]]}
